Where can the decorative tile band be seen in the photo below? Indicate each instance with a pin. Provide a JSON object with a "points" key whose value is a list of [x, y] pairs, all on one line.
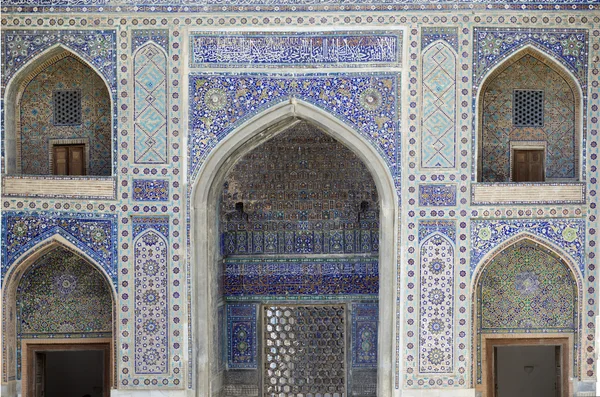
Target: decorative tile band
{"points": [[365, 317], [241, 335], [361, 241], [296, 49], [437, 195], [436, 316], [302, 276], [151, 297], [438, 130], [150, 190], [217, 6]]}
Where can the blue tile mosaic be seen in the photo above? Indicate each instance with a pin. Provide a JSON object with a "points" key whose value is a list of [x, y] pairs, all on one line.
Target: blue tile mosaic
{"points": [[150, 190], [569, 46], [94, 234], [301, 276], [437, 195], [365, 317], [340, 49], [219, 103], [98, 47], [568, 234], [241, 335]]}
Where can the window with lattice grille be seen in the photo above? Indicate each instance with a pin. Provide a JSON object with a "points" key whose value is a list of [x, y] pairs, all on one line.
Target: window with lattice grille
{"points": [[528, 108], [67, 107]]}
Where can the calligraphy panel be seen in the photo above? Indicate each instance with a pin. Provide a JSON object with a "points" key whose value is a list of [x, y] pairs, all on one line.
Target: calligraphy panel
{"points": [[296, 49]]}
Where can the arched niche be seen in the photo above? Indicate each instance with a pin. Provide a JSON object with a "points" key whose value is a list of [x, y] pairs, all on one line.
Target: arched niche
{"points": [[205, 237], [526, 290], [57, 74], [529, 103], [76, 282]]}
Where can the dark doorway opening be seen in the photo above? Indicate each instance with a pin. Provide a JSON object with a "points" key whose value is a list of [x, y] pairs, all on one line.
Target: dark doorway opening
{"points": [[64, 370], [528, 367]]}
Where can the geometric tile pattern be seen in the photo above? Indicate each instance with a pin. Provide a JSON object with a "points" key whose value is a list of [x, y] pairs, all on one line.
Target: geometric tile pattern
{"points": [[218, 103], [301, 276], [150, 190], [437, 195], [438, 132], [304, 350], [98, 47], [241, 335], [63, 294], [364, 335], [566, 233], [569, 46], [150, 130], [436, 305], [556, 130], [39, 125], [290, 49], [151, 298], [527, 289], [94, 234]]}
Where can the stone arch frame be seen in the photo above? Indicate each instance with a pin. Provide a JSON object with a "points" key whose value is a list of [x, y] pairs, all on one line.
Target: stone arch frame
{"points": [[425, 52], [204, 191], [10, 285], [555, 65], [14, 91], [476, 279]]}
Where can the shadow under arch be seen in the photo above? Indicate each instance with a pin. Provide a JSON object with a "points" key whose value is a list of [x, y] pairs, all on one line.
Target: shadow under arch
{"points": [[17, 85], [557, 66], [204, 243], [477, 279], [10, 285]]}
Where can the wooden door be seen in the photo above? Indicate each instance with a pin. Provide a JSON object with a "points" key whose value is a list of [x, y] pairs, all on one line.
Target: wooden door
{"points": [[528, 166], [40, 374], [69, 160]]}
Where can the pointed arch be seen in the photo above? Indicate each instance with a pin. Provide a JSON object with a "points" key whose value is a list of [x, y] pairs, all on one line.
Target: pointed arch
{"points": [[564, 73], [205, 188], [10, 286], [15, 88], [438, 93], [572, 330], [150, 104]]}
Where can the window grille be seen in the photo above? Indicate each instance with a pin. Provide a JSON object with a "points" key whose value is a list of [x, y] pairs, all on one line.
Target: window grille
{"points": [[528, 108], [67, 107]]}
